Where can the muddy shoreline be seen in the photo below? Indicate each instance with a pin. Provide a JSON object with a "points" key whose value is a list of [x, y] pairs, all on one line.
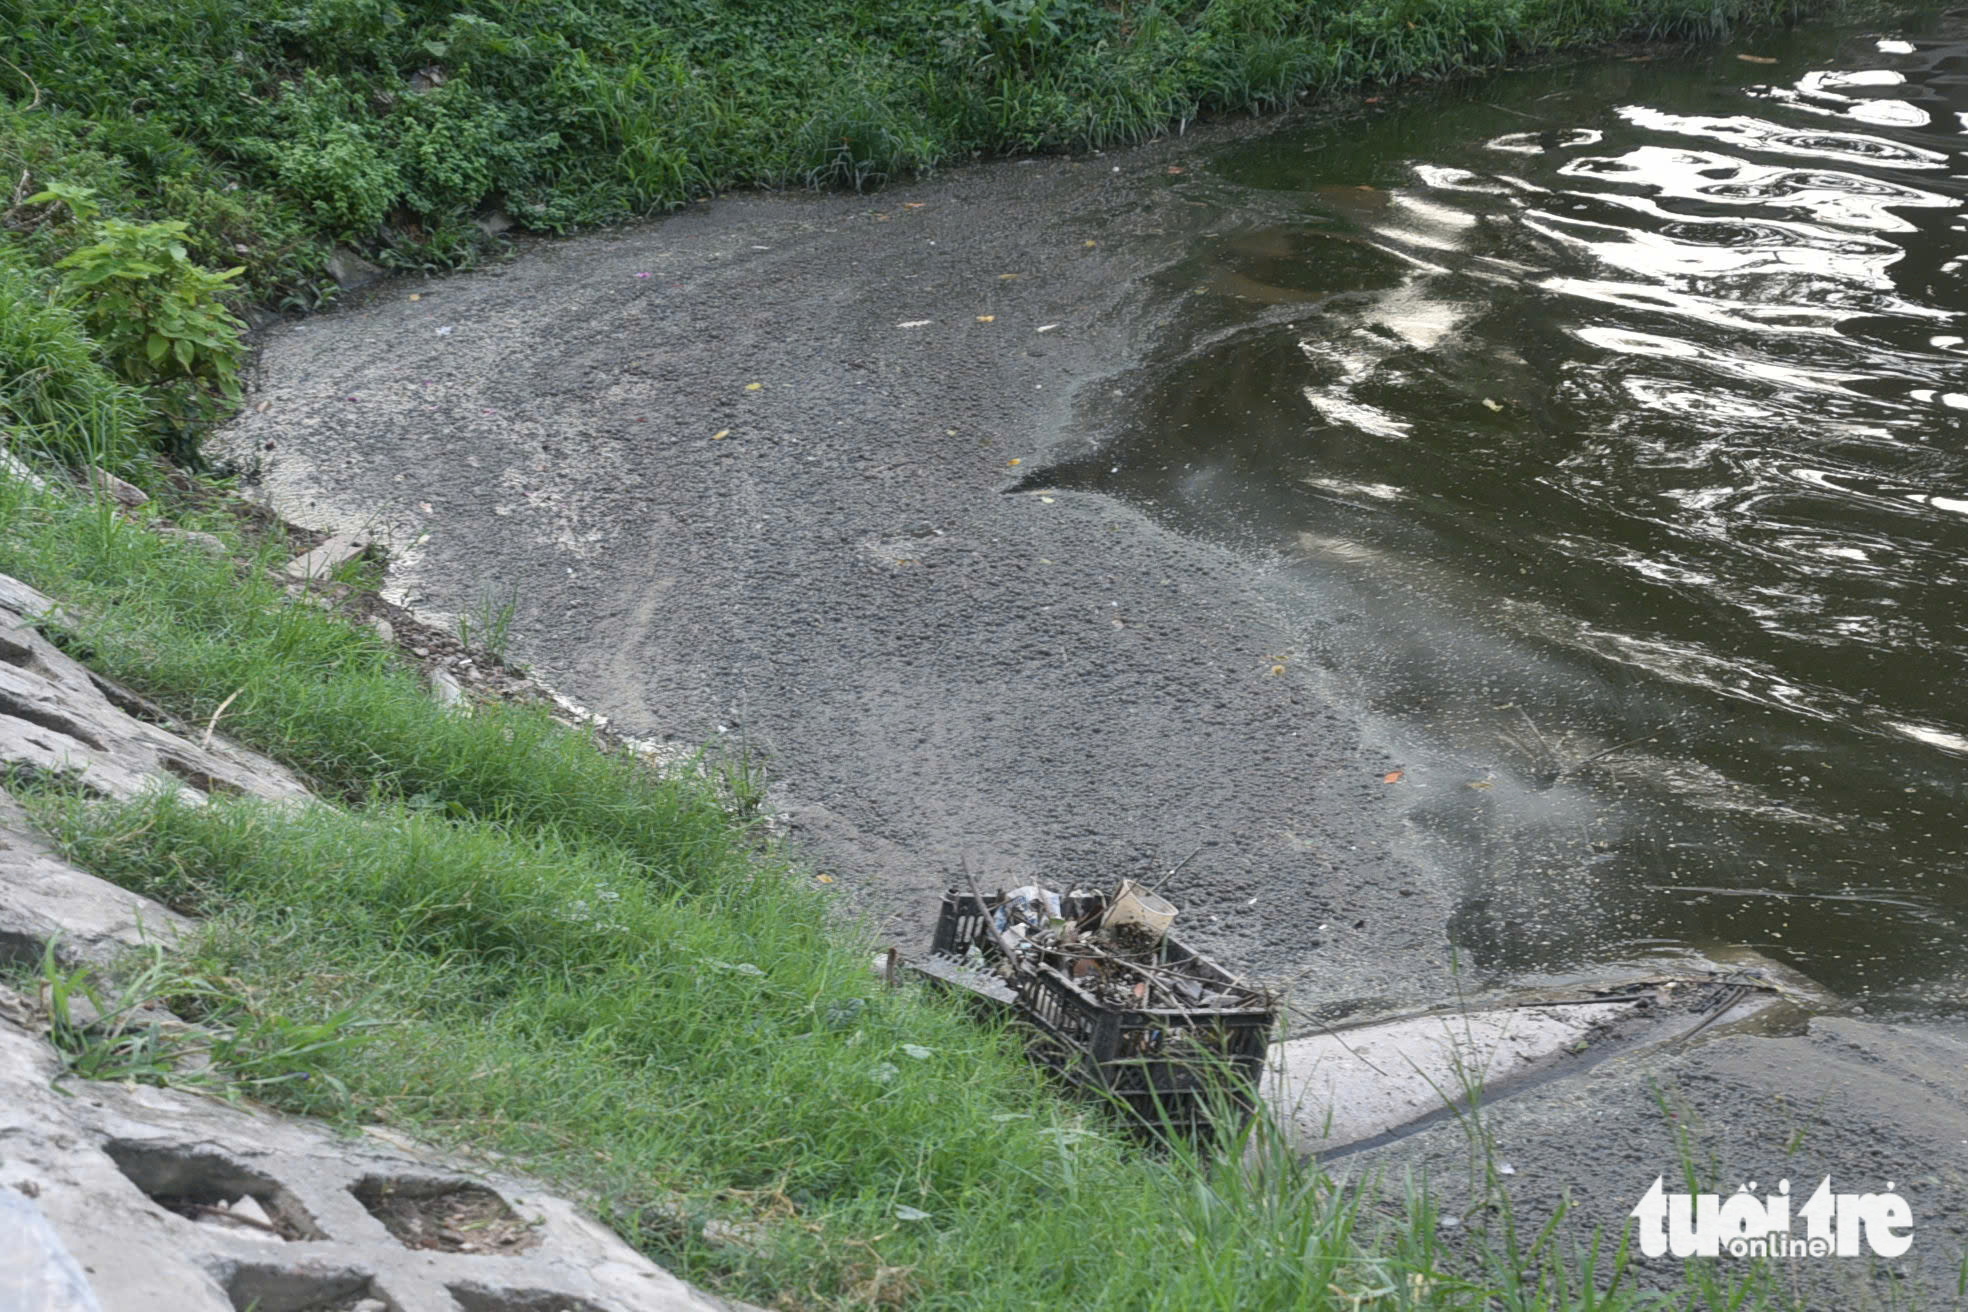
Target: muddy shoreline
{"points": [[763, 475], [825, 570]]}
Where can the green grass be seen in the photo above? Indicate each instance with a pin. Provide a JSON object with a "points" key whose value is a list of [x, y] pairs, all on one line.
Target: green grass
{"points": [[387, 124], [57, 397], [504, 937], [276, 130]]}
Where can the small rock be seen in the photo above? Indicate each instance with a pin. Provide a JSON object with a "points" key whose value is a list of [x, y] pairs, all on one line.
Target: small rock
{"points": [[203, 541], [420, 651], [734, 1234], [494, 222], [447, 689], [329, 556], [350, 270], [384, 629], [128, 494], [15, 467], [241, 1220]]}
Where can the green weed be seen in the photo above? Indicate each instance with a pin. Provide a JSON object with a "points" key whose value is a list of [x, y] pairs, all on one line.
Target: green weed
{"points": [[513, 941], [722, 1053], [128, 1025], [57, 396], [488, 625], [157, 316]]}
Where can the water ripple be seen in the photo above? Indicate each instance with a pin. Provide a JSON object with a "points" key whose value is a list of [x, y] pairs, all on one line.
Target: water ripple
{"points": [[1665, 418]]}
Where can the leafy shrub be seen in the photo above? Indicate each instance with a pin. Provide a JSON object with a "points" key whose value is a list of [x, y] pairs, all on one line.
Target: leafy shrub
{"points": [[156, 315], [272, 130], [1026, 35], [860, 138], [56, 395], [454, 147], [323, 151]]}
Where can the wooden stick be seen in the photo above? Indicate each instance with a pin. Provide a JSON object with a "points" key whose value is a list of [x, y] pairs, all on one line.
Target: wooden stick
{"points": [[206, 1209], [213, 727], [1004, 945], [1650, 735], [1185, 860]]}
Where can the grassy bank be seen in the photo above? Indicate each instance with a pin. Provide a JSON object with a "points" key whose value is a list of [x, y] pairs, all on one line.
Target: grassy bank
{"points": [[168, 142], [505, 936]]}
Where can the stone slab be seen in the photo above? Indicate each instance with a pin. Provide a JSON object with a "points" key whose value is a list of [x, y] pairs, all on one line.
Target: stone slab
{"points": [[1343, 1087], [115, 1169], [44, 899], [328, 557], [58, 718]]}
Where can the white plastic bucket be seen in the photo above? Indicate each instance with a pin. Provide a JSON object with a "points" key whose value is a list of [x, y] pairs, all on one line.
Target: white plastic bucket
{"points": [[1135, 905]]}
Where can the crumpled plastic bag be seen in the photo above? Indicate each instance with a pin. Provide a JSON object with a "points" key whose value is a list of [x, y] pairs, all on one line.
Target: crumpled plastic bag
{"points": [[1031, 906]]}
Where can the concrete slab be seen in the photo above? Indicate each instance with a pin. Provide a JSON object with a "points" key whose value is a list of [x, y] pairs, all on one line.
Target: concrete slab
{"points": [[139, 1182], [44, 899], [328, 557], [58, 718], [1344, 1087], [166, 1200]]}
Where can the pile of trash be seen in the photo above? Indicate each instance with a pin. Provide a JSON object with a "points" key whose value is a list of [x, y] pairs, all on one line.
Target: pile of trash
{"points": [[1114, 1002], [1117, 949]]}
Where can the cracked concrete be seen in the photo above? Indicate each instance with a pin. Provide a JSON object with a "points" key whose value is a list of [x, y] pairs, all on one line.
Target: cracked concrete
{"points": [[162, 1200], [116, 1169], [56, 717]]}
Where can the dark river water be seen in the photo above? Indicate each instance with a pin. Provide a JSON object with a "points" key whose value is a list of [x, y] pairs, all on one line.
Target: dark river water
{"points": [[1621, 401]]}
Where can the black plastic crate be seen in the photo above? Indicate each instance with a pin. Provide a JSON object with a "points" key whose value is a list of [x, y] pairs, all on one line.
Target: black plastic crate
{"points": [[960, 925], [1164, 1063], [1167, 1065]]}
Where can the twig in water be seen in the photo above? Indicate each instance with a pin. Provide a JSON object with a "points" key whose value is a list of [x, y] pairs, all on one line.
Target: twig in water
{"points": [[1649, 736], [1731, 996], [1531, 724]]}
